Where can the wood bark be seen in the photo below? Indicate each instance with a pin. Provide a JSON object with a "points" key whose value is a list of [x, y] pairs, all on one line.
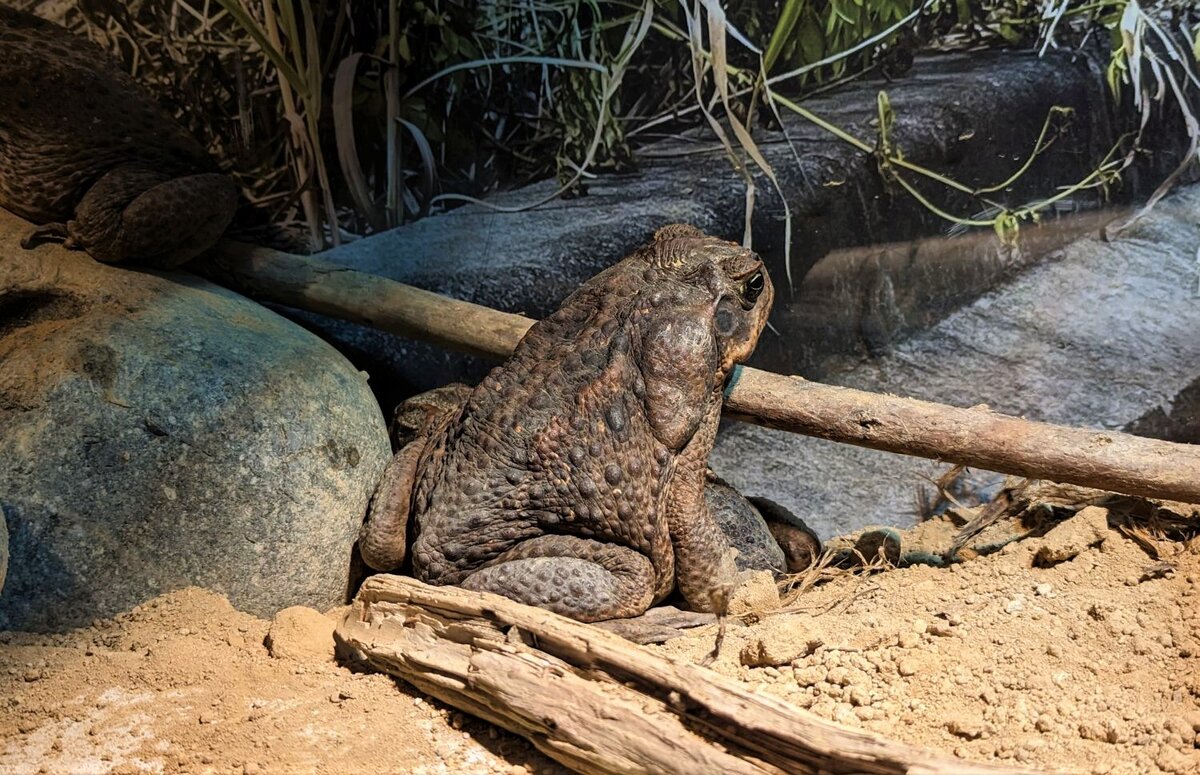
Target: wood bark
{"points": [[975, 437], [598, 703]]}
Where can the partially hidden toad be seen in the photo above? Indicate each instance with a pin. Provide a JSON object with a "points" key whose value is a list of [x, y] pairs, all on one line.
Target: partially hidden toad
{"points": [[95, 162]]}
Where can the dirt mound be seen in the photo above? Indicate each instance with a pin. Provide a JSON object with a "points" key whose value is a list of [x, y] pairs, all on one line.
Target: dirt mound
{"points": [[1088, 664]]}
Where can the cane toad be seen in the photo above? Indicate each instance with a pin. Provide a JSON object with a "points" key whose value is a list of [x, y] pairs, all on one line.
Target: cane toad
{"points": [[573, 476], [89, 157]]}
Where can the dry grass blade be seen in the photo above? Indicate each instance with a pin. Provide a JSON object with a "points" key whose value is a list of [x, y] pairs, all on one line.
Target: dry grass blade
{"points": [[347, 147], [1136, 53], [429, 165], [308, 59], [291, 88], [476, 64], [394, 184], [262, 37], [827, 568], [699, 69], [718, 27]]}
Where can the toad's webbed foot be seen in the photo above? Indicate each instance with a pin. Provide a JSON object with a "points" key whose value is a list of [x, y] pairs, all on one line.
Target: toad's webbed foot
{"points": [[577, 577], [800, 544], [47, 232]]}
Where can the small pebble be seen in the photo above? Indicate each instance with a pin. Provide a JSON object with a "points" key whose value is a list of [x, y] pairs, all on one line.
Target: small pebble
{"points": [[968, 729], [940, 630]]}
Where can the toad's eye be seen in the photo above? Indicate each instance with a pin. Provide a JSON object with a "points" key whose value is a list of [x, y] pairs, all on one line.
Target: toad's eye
{"points": [[752, 288]]}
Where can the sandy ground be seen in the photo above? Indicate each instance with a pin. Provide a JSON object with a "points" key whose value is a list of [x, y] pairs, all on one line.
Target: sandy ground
{"points": [[1090, 664], [185, 684]]}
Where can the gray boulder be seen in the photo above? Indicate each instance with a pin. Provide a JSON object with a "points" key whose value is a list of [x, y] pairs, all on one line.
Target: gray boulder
{"points": [[158, 431], [1101, 336]]}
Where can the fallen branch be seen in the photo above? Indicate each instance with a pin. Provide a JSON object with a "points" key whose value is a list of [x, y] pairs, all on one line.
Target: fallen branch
{"points": [[974, 437], [977, 437], [596, 702], [327, 289]]}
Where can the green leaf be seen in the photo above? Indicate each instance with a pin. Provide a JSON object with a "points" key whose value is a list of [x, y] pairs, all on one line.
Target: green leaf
{"points": [[812, 42], [841, 11], [1007, 227], [788, 16], [887, 120], [962, 9], [1113, 76], [450, 42], [1010, 33]]}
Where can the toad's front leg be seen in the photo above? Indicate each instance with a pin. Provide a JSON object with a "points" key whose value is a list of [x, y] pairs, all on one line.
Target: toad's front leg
{"points": [[705, 572]]}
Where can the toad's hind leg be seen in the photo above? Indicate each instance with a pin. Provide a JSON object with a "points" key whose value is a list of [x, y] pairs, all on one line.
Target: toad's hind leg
{"points": [[577, 577], [383, 538], [146, 217]]}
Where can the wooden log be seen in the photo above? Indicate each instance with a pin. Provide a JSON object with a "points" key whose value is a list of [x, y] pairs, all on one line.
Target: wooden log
{"points": [[598, 703], [976, 437], [318, 286]]}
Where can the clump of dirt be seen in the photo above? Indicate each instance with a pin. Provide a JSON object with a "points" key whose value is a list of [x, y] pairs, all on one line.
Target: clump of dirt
{"points": [[185, 684], [1073, 651]]}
